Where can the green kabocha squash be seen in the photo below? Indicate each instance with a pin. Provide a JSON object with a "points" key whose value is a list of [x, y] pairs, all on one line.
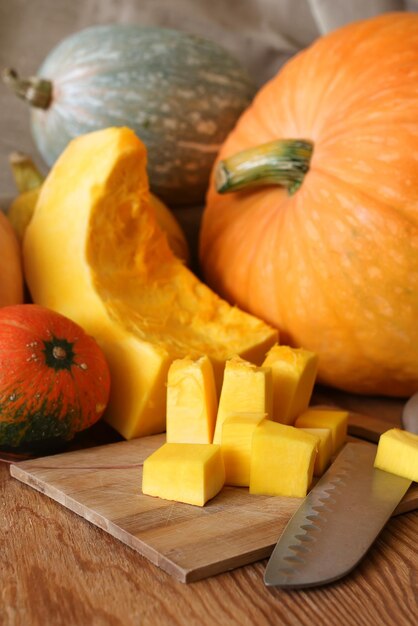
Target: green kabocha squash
{"points": [[180, 93]]}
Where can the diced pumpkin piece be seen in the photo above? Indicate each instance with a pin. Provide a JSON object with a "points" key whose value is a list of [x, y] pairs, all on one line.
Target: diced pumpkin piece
{"points": [[94, 252], [324, 454], [237, 434], [246, 388], [282, 460], [397, 453], [185, 472], [294, 371], [336, 421], [191, 401]]}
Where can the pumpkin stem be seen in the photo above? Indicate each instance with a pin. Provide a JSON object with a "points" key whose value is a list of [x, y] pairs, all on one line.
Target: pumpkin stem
{"points": [[283, 162], [37, 91], [59, 354], [25, 173]]}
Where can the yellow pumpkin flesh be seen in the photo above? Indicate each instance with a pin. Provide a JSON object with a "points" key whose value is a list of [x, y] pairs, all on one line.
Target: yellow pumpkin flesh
{"points": [[94, 252], [29, 181]]}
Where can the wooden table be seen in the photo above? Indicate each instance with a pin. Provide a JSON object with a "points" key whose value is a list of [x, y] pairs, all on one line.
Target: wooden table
{"points": [[57, 568]]}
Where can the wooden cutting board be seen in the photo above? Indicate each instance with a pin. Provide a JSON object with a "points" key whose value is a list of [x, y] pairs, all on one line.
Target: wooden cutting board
{"points": [[103, 485]]}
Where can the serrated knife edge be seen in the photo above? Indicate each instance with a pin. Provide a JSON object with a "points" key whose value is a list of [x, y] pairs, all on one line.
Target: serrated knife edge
{"points": [[335, 538]]}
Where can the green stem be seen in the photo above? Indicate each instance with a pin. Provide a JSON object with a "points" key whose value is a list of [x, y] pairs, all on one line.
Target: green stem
{"points": [[36, 91], [25, 173], [283, 162]]}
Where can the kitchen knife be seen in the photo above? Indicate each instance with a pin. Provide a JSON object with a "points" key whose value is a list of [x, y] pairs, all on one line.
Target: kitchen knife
{"points": [[337, 521]]}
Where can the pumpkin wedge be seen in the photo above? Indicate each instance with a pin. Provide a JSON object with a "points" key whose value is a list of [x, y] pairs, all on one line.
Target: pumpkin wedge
{"points": [[29, 181], [94, 252]]}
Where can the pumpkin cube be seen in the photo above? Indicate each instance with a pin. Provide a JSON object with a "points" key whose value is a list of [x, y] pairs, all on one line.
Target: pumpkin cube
{"points": [[324, 453], [336, 421], [397, 453], [237, 434], [191, 401], [246, 388], [282, 460], [294, 372], [192, 473]]}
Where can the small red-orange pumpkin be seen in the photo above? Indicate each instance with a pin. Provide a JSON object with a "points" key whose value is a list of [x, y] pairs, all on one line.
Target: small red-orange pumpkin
{"points": [[333, 263], [54, 379]]}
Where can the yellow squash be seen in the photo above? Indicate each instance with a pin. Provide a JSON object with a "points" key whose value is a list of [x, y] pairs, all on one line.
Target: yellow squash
{"points": [[335, 420], [29, 180], [282, 460], [324, 444], [236, 443], [94, 251], [397, 453], [185, 472], [191, 401], [245, 389], [293, 372]]}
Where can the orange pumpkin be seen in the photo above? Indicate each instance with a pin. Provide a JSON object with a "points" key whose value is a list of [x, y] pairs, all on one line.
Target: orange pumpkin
{"points": [[54, 378], [11, 278], [330, 254]]}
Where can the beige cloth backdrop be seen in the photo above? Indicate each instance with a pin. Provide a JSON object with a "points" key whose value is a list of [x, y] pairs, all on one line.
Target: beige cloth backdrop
{"points": [[263, 34]]}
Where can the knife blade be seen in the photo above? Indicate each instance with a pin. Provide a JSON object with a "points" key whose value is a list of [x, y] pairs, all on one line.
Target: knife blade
{"points": [[337, 522]]}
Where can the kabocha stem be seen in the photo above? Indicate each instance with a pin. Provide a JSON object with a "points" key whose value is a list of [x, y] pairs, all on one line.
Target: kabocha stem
{"points": [[25, 173], [283, 162], [36, 91]]}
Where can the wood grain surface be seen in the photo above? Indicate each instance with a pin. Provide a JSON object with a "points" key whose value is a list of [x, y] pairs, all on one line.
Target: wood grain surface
{"points": [[57, 569], [189, 542], [103, 485]]}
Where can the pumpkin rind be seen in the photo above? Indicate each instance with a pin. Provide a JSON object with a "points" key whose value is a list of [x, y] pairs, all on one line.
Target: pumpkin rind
{"points": [[11, 275], [180, 93], [54, 379], [335, 266]]}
